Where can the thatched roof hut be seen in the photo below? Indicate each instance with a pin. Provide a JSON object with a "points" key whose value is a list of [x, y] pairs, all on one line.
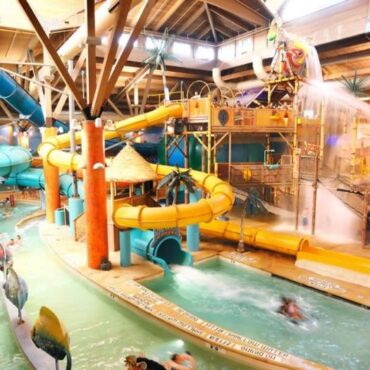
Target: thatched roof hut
{"points": [[130, 167]]}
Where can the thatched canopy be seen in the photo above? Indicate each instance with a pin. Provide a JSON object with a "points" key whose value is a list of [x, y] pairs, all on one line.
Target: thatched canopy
{"points": [[129, 166]]}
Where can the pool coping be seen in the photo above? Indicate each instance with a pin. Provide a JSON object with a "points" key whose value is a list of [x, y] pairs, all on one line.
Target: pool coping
{"points": [[147, 303]]}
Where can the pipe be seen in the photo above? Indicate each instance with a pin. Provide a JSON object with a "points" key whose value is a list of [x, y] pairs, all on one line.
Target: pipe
{"points": [[245, 85], [240, 86]]}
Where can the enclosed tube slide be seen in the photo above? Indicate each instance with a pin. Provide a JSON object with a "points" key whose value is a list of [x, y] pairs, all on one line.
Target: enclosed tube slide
{"points": [[15, 167], [163, 247], [245, 85], [220, 198], [279, 242], [22, 102]]}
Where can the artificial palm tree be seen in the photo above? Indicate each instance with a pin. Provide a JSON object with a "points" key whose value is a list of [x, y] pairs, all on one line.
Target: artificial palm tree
{"points": [[355, 85], [159, 54], [49, 334], [173, 181], [16, 291]]}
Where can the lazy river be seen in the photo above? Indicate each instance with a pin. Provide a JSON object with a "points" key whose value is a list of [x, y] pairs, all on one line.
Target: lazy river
{"points": [[102, 331], [336, 333]]}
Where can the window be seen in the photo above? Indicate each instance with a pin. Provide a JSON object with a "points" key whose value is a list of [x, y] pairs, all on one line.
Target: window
{"points": [[124, 38], [205, 53], [244, 46], [297, 8], [121, 41], [152, 43], [182, 48], [226, 52]]}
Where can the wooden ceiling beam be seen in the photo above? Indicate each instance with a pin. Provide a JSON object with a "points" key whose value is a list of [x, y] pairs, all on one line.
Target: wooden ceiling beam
{"points": [[204, 32], [210, 20], [6, 110], [172, 75], [53, 53], [224, 32], [175, 6], [90, 50], [135, 32], [183, 15], [230, 19], [241, 11], [348, 74], [63, 98], [156, 14], [199, 27], [101, 90], [191, 20]]}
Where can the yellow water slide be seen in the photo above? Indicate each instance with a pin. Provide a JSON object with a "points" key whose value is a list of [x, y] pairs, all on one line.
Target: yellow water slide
{"points": [[279, 242], [220, 195]]}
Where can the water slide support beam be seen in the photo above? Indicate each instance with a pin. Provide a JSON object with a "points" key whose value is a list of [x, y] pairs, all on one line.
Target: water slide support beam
{"points": [[51, 175], [125, 248], [95, 195], [192, 231]]}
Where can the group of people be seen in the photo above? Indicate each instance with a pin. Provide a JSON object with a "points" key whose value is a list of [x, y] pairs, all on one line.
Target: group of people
{"points": [[184, 361]]}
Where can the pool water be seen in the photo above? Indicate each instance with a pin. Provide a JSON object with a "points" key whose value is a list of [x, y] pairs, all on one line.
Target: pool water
{"points": [[336, 333], [102, 332]]}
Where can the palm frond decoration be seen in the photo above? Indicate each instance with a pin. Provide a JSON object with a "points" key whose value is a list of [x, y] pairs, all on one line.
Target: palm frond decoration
{"points": [[49, 334], [16, 291], [355, 85], [159, 54], [173, 181]]}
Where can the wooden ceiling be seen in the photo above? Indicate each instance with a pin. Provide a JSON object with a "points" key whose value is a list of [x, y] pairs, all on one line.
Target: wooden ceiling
{"points": [[210, 20]]}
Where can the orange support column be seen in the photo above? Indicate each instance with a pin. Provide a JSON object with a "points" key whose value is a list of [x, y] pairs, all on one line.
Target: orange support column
{"points": [[95, 194], [51, 174]]}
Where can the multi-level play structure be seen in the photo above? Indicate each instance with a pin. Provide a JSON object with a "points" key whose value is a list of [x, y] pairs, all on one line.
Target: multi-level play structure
{"points": [[277, 141]]}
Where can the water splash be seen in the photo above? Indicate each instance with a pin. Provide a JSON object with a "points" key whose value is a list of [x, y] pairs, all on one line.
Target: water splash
{"points": [[227, 288]]}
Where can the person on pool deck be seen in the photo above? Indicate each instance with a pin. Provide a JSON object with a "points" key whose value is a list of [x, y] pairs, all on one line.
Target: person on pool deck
{"points": [[290, 309]]}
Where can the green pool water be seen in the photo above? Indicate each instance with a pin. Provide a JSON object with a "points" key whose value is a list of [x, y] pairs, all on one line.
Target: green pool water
{"points": [[244, 301], [102, 331]]}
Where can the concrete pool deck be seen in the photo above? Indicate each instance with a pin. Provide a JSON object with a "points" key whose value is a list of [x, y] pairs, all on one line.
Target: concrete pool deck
{"points": [[122, 285]]}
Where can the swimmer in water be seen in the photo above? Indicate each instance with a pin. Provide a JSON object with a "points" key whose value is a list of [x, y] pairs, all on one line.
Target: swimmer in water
{"points": [[290, 309]]}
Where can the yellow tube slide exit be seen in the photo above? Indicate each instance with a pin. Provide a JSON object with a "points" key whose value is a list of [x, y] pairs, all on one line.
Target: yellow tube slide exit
{"points": [[279, 242]]}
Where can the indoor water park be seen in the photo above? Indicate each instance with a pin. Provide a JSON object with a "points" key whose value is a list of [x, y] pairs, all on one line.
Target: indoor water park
{"points": [[184, 185]]}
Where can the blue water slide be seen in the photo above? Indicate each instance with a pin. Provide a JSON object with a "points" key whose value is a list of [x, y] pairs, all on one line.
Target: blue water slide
{"points": [[25, 104], [22, 102], [15, 167], [162, 247]]}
